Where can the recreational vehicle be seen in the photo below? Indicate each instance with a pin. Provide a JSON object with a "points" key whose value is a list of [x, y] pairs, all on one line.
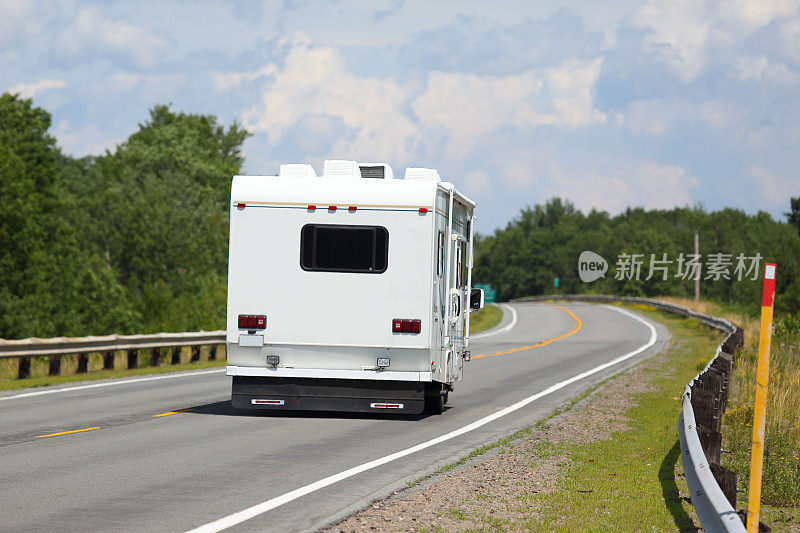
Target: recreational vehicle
{"points": [[348, 291]]}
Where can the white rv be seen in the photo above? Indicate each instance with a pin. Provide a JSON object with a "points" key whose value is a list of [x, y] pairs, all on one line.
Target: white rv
{"points": [[348, 291]]}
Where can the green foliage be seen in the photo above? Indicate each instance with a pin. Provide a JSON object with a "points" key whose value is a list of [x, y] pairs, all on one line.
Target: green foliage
{"points": [[545, 241], [794, 214], [49, 284], [134, 240]]}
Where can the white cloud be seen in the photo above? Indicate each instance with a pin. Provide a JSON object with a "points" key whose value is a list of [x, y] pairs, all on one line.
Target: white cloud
{"points": [[316, 80], [463, 107], [477, 181], [90, 30], [600, 181], [624, 183], [689, 34], [751, 15], [775, 189], [29, 90], [229, 80], [657, 117], [679, 32], [761, 69], [458, 108], [19, 19]]}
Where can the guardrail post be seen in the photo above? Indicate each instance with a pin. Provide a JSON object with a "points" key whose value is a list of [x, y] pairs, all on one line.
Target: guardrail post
{"points": [[711, 441], [133, 359], [726, 479], [108, 361], [155, 356], [83, 363], [24, 368], [176, 356], [195, 354], [55, 365], [212, 352]]}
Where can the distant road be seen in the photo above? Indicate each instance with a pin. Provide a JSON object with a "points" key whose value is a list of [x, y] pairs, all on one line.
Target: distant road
{"points": [[170, 454]]}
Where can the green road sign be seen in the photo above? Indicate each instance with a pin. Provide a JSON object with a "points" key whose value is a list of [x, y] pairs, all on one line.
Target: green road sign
{"points": [[555, 282], [488, 293]]}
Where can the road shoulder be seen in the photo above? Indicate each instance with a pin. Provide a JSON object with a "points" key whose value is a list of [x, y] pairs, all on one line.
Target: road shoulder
{"points": [[606, 460]]}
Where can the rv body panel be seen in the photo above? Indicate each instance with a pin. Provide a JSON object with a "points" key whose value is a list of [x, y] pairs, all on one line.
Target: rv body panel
{"points": [[334, 315]]}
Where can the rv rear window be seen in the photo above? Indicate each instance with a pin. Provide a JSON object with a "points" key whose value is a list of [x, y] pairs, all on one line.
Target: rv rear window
{"points": [[334, 248]]}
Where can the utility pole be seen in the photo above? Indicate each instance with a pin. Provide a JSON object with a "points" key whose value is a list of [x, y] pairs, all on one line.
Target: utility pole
{"points": [[697, 273]]}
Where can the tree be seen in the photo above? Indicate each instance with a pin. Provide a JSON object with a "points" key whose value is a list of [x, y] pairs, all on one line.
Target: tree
{"points": [[158, 211], [48, 284], [794, 214]]}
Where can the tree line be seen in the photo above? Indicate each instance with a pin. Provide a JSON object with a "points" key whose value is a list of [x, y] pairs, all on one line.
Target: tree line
{"points": [[136, 240], [545, 241]]}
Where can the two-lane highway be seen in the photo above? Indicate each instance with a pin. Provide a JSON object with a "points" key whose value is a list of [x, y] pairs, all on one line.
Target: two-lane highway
{"points": [[169, 454]]}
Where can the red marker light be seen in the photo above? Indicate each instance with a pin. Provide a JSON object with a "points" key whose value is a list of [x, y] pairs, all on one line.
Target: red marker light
{"points": [[252, 322], [423, 210], [331, 208], [404, 325], [311, 207], [352, 209], [240, 205]]}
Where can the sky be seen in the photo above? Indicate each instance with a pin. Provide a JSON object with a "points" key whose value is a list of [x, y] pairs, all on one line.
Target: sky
{"points": [[614, 104]]}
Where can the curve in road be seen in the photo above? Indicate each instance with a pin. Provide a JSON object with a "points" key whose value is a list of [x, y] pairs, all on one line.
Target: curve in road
{"points": [[172, 454]]}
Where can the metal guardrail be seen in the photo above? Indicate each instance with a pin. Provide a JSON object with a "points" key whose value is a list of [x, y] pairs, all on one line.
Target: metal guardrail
{"points": [[57, 347], [76, 345], [704, 399]]}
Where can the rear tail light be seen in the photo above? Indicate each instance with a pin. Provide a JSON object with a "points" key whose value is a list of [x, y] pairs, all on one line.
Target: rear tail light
{"points": [[404, 325], [252, 322]]}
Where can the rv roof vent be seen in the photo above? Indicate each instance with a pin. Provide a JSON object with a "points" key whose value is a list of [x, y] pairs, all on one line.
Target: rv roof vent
{"points": [[427, 174], [376, 171], [341, 169], [296, 171]]}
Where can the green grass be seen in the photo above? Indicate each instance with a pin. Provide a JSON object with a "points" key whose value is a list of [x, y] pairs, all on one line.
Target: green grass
{"points": [[628, 481], [486, 318], [39, 366]]}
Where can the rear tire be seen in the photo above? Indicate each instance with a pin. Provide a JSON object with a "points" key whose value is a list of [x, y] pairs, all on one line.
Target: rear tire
{"points": [[434, 405]]}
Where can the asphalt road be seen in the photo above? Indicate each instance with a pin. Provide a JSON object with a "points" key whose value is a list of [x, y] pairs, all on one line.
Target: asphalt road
{"points": [[141, 472]]}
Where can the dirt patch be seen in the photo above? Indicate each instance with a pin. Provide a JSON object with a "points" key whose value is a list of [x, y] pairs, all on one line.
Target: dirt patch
{"points": [[494, 491]]}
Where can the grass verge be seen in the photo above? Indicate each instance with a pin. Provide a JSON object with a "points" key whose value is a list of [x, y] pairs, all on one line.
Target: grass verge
{"points": [[486, 318], [628, 481], [781, 476]]}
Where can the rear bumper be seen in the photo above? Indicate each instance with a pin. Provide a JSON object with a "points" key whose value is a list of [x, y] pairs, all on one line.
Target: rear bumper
{"points": [[321, 373], [313, 394]]}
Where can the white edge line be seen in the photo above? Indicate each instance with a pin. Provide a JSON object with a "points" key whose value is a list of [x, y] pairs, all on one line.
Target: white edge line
{"points": [[504, 329], [261, 508], [111, 383]]}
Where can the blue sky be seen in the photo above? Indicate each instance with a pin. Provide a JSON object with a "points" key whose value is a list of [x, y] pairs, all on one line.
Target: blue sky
{"points": [[654, 104]]}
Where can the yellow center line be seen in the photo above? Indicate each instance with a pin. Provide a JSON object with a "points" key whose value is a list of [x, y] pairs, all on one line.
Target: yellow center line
{"points": [[66, 432], [578, 326], [173, 412]]}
